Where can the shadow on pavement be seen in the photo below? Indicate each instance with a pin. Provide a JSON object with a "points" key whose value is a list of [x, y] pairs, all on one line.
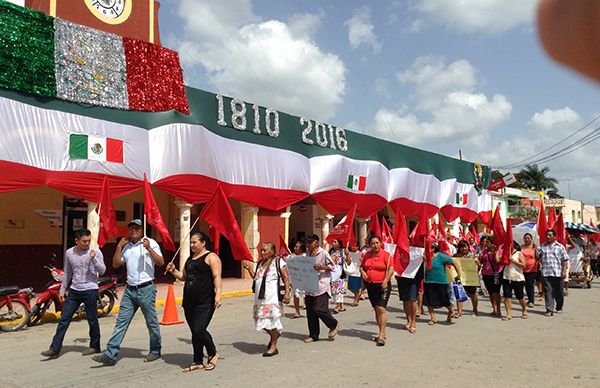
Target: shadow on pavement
{"points": [[249, 348]]}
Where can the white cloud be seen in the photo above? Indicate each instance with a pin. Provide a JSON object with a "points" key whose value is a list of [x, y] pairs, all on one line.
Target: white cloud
{"points": [[361, 30], [546, 128], [270, 63], [449, 106], [304, 25], [487, 16], [549, 118]]}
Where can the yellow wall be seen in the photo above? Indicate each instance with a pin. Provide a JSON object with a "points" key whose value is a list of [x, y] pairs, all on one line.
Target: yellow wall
{"points": [[19, 222], [18, 209]]}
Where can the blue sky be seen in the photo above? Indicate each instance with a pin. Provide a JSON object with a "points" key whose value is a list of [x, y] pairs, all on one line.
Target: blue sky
{"points": [[440, 75]]}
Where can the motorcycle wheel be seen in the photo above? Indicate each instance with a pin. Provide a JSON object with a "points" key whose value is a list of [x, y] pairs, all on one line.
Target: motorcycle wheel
{"points": [[106, 302], [15, 319], [37, 313]]}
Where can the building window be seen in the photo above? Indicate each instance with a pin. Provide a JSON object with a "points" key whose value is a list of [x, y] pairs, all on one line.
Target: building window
{"points": [[573, 216]]}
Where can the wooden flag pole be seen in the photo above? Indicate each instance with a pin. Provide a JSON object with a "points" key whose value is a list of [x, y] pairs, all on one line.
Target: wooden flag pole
{"points": [[99, 220], [142, 247], [186, 237]]}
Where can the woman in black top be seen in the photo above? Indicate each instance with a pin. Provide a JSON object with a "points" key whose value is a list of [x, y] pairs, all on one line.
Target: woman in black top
{"points": [[201, 296]]}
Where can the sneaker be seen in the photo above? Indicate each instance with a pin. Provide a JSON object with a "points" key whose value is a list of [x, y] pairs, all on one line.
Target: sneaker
{"points": [[558, 311], [49, 353], [151, 357], [90, 351], [548, 314], [333, 332], [530, 305], [102, 359]]}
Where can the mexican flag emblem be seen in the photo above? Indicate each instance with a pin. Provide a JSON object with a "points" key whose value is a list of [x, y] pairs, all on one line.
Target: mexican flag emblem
{"points": [[461, 199], [356, 182], [102, 149]]}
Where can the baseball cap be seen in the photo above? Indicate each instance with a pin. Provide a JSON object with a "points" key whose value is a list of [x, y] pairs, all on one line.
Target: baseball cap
{"points": [[134, 222]]}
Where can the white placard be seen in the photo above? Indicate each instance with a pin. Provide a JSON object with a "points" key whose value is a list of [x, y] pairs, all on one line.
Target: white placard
{"points": [[302, 274]]}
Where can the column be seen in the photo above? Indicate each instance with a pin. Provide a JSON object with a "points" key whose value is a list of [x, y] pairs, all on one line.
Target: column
{"points": [[184, 231], [286, 224], [325, 222], [249, 228], [93, 222], [362, 230]]}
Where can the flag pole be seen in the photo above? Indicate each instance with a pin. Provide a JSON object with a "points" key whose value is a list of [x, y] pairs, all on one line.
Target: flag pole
{"points": [[186, 237], [142, 247], [99, 221]]}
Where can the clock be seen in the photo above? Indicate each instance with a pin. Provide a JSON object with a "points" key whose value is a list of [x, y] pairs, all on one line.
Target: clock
{"points": [[110, 11]]}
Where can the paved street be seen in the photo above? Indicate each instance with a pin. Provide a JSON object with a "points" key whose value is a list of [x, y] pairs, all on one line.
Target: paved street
{"points": [[474, 351]]}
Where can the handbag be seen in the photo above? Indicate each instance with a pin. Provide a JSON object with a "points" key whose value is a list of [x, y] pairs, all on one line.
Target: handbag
{"points": [[459, 291]]}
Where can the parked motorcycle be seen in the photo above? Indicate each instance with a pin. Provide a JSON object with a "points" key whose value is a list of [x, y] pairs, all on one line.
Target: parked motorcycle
{"points": [[107, 294], [15, 309]]}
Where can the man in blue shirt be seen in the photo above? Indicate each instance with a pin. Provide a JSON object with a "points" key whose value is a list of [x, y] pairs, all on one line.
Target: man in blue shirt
{"points": [[139, 254], [82, 267]]}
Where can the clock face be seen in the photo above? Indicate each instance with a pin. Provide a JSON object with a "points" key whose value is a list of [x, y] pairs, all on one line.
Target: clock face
{"points": [[110, 11]]}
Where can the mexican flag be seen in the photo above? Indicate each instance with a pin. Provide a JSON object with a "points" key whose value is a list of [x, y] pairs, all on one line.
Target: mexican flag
{"points": [[356, 182], [461, 199], [51, 57], [102, 149]]}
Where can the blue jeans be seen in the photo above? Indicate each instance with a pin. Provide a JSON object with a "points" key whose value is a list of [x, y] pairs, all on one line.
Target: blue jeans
{"points": [[145, 299], [74, 299]]}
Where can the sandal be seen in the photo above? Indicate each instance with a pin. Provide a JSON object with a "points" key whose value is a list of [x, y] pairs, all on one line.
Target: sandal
{"points": [[379, 342], [296, 316], [431, 322], [507, 318], [342, 309], [412, 330], [354, 304], [212, 363], [524, 316], [192, 367]]}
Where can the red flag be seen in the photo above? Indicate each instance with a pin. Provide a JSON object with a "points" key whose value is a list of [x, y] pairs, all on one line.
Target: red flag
{"points": [[551, 218], [400, 237], [497, 227], [344, 230], [375, 227], [154, 218], [508, 243], [443, 241], [542, 223], [561, 232], [215, 235], [284, 250], [386, 232], [218, 214], [106, 212], [474, 234]]}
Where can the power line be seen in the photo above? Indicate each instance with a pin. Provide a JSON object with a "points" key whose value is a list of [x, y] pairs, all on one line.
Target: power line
{"points": [[530, 159]]}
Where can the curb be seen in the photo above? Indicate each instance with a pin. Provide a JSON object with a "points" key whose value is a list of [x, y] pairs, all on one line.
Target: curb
{"points": [[55, 316]]}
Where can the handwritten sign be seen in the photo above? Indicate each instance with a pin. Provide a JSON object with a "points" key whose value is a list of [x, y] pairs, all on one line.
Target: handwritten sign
{"points": [[469, 275], [303, 275]]}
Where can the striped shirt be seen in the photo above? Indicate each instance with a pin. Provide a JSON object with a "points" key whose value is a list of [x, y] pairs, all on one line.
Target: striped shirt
{"points": [[551, 258]]}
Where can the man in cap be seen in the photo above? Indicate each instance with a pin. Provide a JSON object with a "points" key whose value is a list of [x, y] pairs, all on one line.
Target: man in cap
{"points": [[317, 302], [139, 254]]}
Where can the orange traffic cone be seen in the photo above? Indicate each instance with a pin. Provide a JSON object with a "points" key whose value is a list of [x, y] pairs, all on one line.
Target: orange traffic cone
{"points": [[170, 316]]}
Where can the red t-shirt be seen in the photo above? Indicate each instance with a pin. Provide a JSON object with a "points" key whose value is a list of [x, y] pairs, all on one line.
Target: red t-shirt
{"points": [[530, 263], [376, 265]]}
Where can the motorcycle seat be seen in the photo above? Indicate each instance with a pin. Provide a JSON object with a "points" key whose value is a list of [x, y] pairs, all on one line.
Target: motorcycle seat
{"points": [[8, 290], [104, 280]]}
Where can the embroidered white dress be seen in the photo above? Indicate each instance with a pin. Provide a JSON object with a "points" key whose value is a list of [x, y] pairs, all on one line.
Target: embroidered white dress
{"points": [[268, 311]]}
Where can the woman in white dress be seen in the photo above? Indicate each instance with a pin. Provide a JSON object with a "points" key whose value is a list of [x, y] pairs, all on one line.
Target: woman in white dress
{"points": [[268, 309]]}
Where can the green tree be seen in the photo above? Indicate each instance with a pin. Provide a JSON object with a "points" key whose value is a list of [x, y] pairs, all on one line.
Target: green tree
{"points": [[534, 178]]}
